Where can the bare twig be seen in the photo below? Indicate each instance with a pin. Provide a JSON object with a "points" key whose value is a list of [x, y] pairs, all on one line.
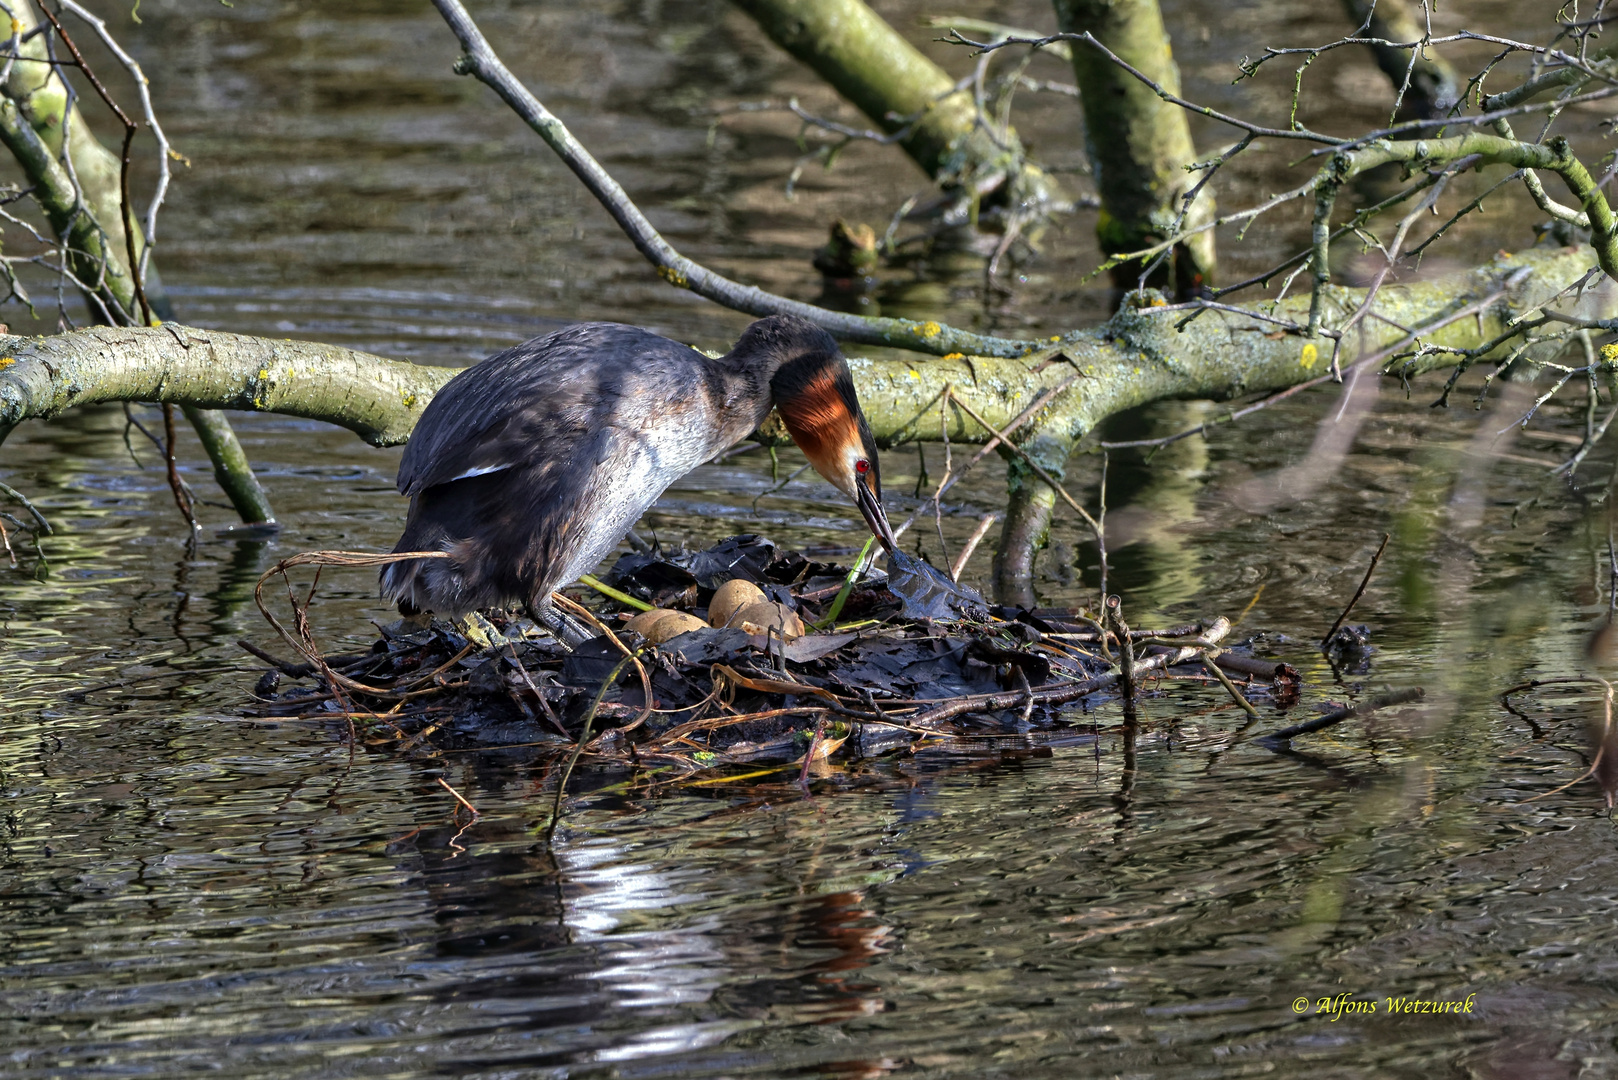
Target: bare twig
{"points": [[1028, 460], [182, 493], [149, 115], [1359, 592], [1042, 399], [458, 796], [1112, 610], [479, 60], [1381, 701], [984, 525], [33, 511], [1210, 661], [1469, 311], [130, 127]]}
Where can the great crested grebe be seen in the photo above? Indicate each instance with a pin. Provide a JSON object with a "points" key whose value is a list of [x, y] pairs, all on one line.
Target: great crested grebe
{"points": [[530, 466]]}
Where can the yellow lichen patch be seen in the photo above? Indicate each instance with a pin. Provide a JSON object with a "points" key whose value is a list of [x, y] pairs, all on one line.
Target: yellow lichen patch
{"points": [[955, 356], [1310, 354], [261, 397], [7, 361], [930, 329], [1609, 353], [408, 398], [673, 277]]}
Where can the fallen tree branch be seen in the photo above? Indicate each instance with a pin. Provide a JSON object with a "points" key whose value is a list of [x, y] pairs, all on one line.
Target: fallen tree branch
{"points": [[1135, 358], [376, 398]]}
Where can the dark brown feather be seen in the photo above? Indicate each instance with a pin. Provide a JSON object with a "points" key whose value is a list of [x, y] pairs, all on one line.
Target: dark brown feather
{"points": [[544, 417], [529, 466]]}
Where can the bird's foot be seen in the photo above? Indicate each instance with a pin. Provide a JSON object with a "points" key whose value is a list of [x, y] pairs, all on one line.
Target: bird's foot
{"points": [[480, 632]]}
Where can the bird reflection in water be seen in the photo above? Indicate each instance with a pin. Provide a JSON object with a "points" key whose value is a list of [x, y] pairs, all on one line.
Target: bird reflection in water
{"points": [[564, 950]]}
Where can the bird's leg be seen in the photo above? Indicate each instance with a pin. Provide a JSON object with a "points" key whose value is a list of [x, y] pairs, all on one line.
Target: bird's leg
{"points": [[548, 618], [566, 631]]}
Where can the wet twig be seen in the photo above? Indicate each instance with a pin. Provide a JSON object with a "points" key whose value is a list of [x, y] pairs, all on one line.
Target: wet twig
{"points": [[1279, 739], [459, 798], [1112, 611], [182, 492], [1210, 661], [33, 511], [1359, 592]]}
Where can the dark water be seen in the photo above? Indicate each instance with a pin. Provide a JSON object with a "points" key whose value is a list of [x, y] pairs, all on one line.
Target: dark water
{"points": [[184, 889]]}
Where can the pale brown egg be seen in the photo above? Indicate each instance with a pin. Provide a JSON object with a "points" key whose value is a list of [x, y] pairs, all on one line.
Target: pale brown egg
{"points": [[673, 625], [730, 598], [765, 615], [642, 623]]}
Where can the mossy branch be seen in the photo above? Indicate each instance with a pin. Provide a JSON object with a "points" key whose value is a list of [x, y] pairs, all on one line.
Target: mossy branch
{"points": [[1553, 155], [87, 251], [893, 83], [1476, 150], [89, 210], [1138, 357], [376, 398], [1139, 143]]}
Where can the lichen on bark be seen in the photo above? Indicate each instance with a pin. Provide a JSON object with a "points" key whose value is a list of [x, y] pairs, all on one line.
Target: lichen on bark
{"points": [[1139, 145]]}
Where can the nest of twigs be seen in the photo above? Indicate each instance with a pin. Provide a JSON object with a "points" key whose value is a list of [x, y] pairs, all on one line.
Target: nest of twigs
{"points": [[867, 675]]}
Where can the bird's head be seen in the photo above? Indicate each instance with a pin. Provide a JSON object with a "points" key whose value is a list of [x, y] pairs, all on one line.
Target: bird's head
{"points": [[815, 395]]}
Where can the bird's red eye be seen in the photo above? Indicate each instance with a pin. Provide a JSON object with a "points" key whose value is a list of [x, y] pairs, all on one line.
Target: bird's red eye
{"points": [[862, 466]]}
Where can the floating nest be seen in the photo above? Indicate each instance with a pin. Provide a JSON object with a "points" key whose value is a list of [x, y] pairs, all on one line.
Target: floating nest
{"points": [[828, 662]]}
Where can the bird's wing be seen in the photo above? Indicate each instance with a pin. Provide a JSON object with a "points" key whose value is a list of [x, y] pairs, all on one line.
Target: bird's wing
{"points": [[537, 402]]}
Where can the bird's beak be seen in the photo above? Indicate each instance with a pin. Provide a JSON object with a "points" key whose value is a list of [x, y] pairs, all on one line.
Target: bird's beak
{"points": [[874, 515]]}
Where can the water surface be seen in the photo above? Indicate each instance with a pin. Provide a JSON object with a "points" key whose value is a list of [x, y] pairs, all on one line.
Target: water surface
{"points": [[184, 888]]}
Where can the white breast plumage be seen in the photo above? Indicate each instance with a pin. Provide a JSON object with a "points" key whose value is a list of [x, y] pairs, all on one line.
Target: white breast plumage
{"points": [[655, 443]]}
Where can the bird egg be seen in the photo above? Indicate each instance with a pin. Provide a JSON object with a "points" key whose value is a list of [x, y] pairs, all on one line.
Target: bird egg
{"points": [[730, 598], [765, 615]]}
